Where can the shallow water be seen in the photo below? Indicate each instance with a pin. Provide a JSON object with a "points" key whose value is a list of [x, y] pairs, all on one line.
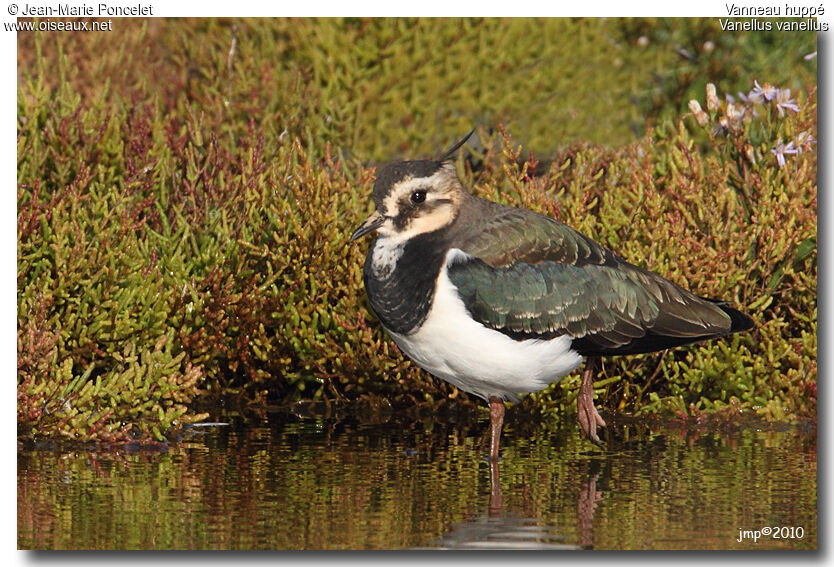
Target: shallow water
{"points": [[287, 482]]}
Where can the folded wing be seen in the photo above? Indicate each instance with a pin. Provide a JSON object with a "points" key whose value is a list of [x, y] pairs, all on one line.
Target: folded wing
{"points": [[530, 276]]}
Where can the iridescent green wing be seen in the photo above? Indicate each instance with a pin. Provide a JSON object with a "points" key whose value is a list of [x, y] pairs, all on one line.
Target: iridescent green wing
{"points": [[530, 276], [520, 235]]}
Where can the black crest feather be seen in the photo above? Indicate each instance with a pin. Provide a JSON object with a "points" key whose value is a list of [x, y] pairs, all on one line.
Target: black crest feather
{"points": [[451, 151]]}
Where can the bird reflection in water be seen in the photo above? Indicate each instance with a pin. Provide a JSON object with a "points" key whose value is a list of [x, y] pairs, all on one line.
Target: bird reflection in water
{"points": [[502, 529]]}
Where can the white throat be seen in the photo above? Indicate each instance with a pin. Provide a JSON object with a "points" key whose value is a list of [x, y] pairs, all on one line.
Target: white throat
{"points": [[386, 252]]}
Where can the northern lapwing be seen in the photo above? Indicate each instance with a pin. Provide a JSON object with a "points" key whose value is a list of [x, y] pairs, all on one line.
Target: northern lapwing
{"points": [[501, 301]]}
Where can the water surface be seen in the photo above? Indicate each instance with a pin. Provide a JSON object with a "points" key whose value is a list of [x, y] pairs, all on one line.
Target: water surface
{"points": [[288, 482]]}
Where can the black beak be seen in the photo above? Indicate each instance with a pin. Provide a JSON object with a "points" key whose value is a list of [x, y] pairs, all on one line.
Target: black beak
{"points": [[371, 223]]}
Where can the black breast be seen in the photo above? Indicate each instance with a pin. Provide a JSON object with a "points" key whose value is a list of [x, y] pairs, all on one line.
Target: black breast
{"points": [[402, 299]]}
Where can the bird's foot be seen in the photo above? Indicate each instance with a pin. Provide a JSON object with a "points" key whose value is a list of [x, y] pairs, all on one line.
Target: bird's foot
{"points": [[589, 417]]}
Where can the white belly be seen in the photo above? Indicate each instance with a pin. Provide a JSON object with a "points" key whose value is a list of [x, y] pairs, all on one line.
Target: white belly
{"points": [[479, 360]]}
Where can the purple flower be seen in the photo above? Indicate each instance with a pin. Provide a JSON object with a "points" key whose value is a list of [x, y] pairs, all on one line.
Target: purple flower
{"points": [[768, 92], [781, 150], [785, 102]]}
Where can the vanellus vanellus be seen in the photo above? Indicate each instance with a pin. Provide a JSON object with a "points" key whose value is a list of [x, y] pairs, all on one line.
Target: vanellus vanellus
{"points": [[501, 301]]}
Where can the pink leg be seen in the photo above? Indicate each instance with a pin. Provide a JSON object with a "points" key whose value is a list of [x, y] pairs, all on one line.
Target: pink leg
{"points": [[496, 420], [589, 417]]}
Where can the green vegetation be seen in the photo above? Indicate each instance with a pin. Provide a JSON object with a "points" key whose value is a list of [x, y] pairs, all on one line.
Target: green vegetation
{"points": [[186, 190]]}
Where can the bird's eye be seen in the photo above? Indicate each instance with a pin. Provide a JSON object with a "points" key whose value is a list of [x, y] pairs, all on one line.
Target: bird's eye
{"points": [[418, 197]]}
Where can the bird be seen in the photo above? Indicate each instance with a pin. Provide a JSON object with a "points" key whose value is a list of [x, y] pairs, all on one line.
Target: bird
{"points": [[502, 301]]}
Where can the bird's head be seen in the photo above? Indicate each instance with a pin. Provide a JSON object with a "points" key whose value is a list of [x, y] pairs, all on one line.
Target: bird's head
{"points": [[415, 197]]}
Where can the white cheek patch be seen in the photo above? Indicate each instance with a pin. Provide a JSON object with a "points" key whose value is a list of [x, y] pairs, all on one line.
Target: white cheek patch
{"points": [[428, 222], [437, 218]]}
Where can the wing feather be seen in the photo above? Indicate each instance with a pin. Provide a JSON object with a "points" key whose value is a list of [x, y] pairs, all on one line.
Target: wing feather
{"points": [[530, 276]]}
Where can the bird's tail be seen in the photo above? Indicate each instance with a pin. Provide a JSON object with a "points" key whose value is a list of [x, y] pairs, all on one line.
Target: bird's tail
{"points": [[740, 321]]}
